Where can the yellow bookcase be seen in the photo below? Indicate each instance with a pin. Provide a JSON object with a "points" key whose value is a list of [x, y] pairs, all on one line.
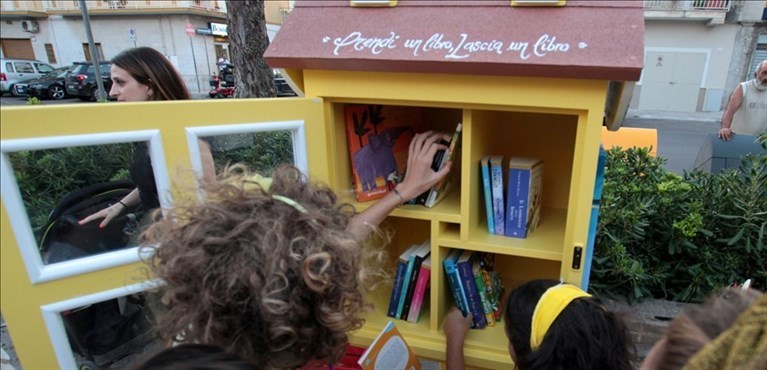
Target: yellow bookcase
{"points": [[549, 106]]}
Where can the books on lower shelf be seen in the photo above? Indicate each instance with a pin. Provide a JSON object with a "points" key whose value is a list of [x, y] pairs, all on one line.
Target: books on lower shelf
{"points": [[517, 211], [379, 137], [476, 286], [411, 281], [389, 351]]}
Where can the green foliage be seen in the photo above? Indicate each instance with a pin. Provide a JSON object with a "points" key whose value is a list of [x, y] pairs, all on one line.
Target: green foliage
{"points": [[261, 151], [34, 101], [46, 176], [681, 238]]}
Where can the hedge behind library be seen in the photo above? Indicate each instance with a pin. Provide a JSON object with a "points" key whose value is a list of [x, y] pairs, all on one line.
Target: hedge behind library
{"points": [[679, 238]]}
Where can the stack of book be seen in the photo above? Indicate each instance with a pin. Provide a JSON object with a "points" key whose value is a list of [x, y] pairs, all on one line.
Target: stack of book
{"points": [[477, 288], [410, 292], [516, 212]]}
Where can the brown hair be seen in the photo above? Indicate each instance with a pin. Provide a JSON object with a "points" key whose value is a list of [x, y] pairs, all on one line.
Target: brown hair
{"points": [[149, 67], [697, 326], [248, 271]]}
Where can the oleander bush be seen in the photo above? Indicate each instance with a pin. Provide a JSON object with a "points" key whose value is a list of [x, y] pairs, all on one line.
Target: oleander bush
{"points": [[677, 237]]}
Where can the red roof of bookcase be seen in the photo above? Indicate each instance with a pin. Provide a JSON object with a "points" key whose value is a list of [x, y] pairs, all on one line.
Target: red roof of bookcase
{"points": [[583, 39]]}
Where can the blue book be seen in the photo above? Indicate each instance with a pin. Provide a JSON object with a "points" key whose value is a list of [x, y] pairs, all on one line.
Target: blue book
{"points": [[454, 280], [473, 301], [496, 182], [523, 196], [485, 167], [406, 279], [400, 281], [396, 289]]}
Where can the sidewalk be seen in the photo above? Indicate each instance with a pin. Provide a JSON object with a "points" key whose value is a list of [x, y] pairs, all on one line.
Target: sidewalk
{"points": [[708, 117]]}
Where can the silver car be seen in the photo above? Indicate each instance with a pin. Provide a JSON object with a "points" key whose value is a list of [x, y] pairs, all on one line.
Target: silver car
{"points": [[15, 70]]}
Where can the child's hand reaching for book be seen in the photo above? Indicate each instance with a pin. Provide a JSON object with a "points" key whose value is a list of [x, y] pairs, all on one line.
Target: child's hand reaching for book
{"points": [[420, 176]]}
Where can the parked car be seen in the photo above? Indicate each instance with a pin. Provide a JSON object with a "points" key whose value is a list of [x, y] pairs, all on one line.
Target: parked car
{"points": [[50, 86], [15, 70], [81, 80]]}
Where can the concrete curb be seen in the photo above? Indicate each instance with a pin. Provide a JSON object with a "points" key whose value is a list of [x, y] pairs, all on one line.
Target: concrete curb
{"points": [[708, 117]]}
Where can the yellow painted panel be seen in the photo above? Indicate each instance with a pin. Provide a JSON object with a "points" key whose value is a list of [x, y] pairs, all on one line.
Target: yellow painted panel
{"points": [[21, 300]]}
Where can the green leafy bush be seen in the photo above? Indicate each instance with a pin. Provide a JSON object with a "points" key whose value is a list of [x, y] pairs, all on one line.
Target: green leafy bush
{"points": [[679, 237], [34, 101], [261, 151], [46, 176]]}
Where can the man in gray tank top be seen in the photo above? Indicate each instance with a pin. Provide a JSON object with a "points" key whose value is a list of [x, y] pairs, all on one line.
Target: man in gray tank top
{"points": [[746, 112]]}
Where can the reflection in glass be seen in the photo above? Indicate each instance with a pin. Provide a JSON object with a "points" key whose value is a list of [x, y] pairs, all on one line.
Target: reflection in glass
{"points": [[112, 333], [60, 187], [261, 151]]}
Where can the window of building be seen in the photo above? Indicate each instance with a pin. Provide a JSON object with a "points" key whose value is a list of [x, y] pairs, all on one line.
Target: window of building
{"points": [[87, 52], [49, 52], [760, 54]]}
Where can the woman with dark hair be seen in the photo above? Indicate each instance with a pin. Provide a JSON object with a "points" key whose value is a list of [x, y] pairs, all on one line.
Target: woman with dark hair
{"points": [[551, 326], [144, 74]]}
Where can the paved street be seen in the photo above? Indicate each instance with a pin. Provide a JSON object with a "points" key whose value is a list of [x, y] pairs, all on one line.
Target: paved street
{"points": [[680, 135]]}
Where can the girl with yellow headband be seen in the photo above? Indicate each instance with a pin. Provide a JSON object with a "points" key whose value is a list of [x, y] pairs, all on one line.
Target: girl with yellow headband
{"points": [[550, 326]]}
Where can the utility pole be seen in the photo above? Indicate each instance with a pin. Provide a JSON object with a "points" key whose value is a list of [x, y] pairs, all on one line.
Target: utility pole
{"points": [[102, 96]]}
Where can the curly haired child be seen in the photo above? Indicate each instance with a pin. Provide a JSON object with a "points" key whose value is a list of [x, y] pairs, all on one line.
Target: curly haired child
{"points": [[274, 271]]}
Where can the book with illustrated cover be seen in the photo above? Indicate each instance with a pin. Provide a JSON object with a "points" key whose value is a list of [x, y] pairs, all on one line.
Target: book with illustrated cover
{"points": [[421, 291], [524, 196], [496, 182], [379, 137], [442, 188], [389, 351], [484, 297], [484, 164]]}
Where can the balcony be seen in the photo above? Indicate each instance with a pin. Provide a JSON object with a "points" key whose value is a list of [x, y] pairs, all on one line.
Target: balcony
{"points": [[134, 7], [711, 11], [11, 10]]}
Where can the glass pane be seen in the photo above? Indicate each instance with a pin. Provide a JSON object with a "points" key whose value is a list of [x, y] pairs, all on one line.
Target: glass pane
{"points": [[261, 151], [24, 68], [61, 187], [114, 333]]}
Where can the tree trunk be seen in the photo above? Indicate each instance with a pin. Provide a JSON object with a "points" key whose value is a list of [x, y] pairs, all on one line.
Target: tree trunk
{"points": [[246, 26]]}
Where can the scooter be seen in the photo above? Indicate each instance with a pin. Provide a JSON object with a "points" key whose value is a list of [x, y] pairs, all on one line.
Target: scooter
{"points": [[223, 83]]}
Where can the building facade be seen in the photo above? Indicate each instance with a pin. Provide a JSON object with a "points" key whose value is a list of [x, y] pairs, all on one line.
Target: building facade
{"points": [[697, 51], [53, 31]]}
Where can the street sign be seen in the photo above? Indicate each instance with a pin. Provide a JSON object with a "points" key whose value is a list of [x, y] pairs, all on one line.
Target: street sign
{"points": [[190, 29], [204, 31], [132, 34]]}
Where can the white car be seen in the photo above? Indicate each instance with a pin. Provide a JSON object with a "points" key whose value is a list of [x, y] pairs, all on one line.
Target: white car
{"points": [[15, 70]]}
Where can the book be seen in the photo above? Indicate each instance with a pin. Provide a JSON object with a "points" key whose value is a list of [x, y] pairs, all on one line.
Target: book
{"points": [[379, 137], [417, 259], [442, 188], [420, 293], [493, 284], [496, 182], [484, 296], [399, 277], [473, 302], [524, 196], [389, 351], [454, 280], [484, 165]]}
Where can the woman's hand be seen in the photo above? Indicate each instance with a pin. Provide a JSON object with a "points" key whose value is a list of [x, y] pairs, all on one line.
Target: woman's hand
{"points": [[107, 214], [420, 176]]}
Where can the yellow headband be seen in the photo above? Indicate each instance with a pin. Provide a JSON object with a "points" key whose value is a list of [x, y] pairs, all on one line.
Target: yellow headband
{"points": [[551, 304], [266, 183]]}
